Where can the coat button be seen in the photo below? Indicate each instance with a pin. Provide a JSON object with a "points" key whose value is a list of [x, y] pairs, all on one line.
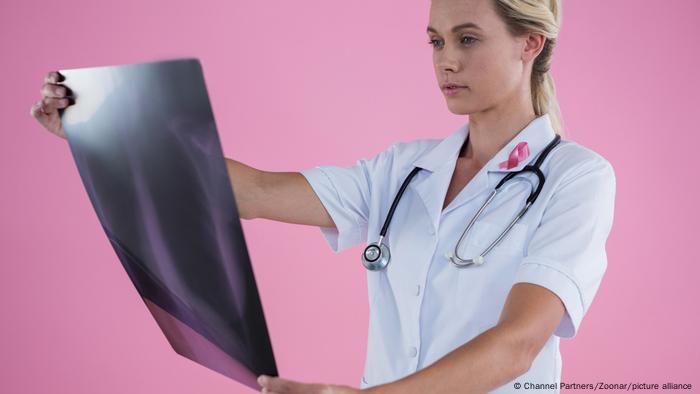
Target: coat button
{"points": [[416, 290], [412, 351], [431, 230]]}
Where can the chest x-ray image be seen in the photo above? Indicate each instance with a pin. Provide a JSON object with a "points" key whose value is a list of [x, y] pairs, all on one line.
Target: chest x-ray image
{"points": [[146, 146]]}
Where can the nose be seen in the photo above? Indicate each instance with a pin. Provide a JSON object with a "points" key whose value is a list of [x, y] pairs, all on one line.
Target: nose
{"points": [[446, 60]]}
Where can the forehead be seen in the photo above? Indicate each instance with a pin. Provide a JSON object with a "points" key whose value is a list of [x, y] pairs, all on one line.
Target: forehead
{"points": [[445, 14]]}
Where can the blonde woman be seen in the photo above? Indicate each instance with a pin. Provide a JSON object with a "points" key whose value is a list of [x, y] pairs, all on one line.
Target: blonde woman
{"points": [[444, 316]]}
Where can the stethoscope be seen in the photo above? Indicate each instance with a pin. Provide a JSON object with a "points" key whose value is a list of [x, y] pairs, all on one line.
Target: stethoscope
{"points": [[376, 255]]}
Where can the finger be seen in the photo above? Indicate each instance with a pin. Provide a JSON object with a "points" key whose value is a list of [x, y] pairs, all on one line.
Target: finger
{"points": [[276, 384], [54, 77], [54, 90], [36, 111], [39, 114], [50, 105]]}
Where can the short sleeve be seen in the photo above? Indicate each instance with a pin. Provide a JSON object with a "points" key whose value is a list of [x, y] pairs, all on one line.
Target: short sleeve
{"points": [[345, 193], [567, 251]]}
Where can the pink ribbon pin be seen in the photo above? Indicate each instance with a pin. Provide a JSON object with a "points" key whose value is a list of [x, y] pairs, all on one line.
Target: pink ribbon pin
{"points": [[517, 155]]}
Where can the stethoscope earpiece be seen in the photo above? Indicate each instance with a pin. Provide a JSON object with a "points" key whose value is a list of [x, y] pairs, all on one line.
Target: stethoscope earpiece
{"points": [[376, 256]]}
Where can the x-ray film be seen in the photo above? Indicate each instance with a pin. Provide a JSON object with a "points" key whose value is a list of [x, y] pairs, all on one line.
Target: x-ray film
{"points": [[146, 146]]}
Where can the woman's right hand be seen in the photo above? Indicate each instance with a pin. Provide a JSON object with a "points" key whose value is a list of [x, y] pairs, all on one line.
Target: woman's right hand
{"points": [[54, 96]]}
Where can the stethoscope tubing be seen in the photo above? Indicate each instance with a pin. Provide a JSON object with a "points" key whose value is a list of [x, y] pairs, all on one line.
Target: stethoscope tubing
{"points": [[376, 256]]}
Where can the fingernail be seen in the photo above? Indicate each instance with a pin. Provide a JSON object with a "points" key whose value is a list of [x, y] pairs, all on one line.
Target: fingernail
{"points": [[261, 379]]}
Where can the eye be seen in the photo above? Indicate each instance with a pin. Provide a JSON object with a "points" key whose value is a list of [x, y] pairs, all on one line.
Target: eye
{"points": [[468, 40], [472, 39], [432, 42]]}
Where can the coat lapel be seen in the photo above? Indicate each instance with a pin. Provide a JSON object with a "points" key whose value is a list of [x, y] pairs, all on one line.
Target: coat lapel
{"points": [[438, 165]]}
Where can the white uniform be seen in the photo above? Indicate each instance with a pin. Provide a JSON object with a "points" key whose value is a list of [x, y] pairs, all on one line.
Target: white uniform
{"points": [[422, 306]]}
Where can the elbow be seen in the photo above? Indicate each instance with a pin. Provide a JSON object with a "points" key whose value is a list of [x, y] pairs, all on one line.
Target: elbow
{"points": [[524, 364], [519, 363], [520, 350], [524, 355], [523, 345]]}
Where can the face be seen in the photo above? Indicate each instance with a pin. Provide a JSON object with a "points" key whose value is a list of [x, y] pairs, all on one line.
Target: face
{"points": [[485, 58]]}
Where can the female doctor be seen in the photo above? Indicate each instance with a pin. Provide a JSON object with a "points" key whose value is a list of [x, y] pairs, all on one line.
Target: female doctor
{"points": [[453, 310]]}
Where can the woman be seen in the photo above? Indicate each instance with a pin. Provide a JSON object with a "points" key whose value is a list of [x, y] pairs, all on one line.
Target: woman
{"points": [[436, 327]]}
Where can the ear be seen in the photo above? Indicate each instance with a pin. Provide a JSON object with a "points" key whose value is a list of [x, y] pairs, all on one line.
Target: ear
{"points": [[533, 45]]}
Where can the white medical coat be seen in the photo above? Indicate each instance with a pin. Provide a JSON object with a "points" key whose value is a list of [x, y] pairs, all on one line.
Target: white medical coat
{"points": [[422, 306]]}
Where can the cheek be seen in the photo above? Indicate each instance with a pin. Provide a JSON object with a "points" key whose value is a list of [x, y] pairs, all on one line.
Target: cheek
{"points": [[493, 74]]}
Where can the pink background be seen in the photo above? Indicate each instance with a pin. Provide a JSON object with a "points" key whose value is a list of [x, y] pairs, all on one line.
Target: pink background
{"points": [[304, 83]]}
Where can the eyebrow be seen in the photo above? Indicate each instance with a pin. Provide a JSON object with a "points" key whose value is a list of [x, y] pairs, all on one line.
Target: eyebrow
{"points": [[458, 27]]}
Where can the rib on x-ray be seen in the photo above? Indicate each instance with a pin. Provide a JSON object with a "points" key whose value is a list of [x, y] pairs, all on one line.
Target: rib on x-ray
{"points": [[145, 144]]}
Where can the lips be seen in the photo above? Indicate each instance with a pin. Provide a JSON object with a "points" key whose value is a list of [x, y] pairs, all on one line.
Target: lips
{"points": [[452, 85], [452, 89]]}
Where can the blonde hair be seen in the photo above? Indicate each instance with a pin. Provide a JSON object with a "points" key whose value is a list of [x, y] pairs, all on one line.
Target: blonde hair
{"points": [[543, 17]]}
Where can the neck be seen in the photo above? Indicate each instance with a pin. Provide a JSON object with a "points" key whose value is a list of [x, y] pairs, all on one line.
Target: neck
{"points": [[490, 130]]}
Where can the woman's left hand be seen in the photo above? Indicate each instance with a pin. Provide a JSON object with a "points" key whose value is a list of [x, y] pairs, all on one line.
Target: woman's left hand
{"points": [[277, 385]]}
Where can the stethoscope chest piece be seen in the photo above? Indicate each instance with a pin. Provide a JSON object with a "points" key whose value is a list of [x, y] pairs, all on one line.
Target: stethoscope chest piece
{"points": [[376, 256]]}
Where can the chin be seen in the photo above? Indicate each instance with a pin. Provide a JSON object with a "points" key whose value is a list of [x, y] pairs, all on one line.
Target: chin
{"points": [[459, 108]]}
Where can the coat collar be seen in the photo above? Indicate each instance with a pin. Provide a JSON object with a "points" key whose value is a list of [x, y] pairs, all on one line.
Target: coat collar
{"points": [[538, 133], [440, 162]]}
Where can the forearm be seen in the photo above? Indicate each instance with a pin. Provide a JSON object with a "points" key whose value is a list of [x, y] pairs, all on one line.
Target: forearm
{"points": [[488, 361], [246, 184], [281, 196]]}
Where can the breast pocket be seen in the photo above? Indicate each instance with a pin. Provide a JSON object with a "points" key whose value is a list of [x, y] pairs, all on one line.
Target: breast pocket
{"points": [[483, 233]]}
